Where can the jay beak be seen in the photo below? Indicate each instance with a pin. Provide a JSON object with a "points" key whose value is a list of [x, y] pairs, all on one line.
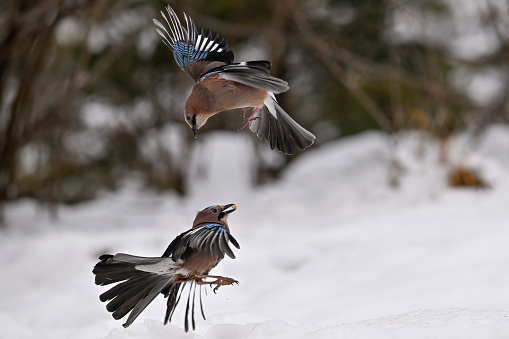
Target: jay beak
{"points": [[222, 85], [186, 262]]}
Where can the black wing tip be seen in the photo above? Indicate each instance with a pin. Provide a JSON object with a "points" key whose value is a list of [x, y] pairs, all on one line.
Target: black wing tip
{"points": [[228, 56], [233, 241], [225, 56], [105, 257], [260, 63], [104, 297]]}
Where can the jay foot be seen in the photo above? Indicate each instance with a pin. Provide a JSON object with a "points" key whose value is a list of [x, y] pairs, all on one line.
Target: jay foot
{"points": [[244, 110], [248, 120], [220, 281]]}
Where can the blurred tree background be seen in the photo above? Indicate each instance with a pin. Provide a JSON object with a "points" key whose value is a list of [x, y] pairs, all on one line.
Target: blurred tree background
{"points": [[90, 96]]}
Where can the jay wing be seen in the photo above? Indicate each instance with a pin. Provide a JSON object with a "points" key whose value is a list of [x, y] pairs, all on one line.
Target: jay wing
{"points": [[193, 50], [250, 73], [211, 237]]}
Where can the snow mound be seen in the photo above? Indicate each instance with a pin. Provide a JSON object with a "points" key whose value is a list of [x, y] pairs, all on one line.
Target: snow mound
{"points": [[327, 247], [442, 323]]}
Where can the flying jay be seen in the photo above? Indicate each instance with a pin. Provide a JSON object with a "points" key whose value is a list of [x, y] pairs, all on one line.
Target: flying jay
{"points": [[223, 85], [186, 262]]}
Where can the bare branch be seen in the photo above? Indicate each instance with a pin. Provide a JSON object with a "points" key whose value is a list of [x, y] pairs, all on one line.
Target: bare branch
{"points": [[329, 60]]}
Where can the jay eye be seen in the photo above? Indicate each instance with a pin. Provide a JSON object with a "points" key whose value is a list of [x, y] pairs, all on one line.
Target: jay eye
{"points": [[188, 118], [213, 210]]}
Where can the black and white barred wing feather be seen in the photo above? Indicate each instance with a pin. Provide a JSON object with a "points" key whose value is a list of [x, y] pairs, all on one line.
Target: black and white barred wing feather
{"points": [[193, 49], [210, 237]]}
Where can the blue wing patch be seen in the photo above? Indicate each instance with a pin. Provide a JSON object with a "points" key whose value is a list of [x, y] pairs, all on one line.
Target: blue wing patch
{"points": [[190, 44], [218, 228], [211, 72], [185, 54]]}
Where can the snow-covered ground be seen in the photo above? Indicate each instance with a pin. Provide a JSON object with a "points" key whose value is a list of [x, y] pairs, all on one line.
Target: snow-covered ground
{"points": [[329, 251]]}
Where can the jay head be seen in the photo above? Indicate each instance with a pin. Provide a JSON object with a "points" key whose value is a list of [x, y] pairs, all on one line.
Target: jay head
{"points": [[221, 84], [186, 263]]}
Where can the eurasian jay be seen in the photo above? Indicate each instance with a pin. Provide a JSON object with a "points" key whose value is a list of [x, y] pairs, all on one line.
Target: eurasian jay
{"points": [[187, 261], [223, 85]]}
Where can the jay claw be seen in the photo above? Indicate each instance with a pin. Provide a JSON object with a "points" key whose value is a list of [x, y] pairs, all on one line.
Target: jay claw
{"points": [[222, 281], [244, 110], [248, 120], [245, 123]]}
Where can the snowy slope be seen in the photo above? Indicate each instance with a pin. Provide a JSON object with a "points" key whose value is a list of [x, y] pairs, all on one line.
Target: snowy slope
{"points": [[329, 251]]}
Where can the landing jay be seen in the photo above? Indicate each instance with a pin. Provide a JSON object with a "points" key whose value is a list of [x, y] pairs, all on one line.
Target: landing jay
{"points": [[223, 85], [186, 262]]}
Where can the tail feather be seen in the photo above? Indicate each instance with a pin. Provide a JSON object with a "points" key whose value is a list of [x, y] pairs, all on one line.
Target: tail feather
{"points": [[118, 273], [140, 280], [138, 283], [121, 288], [112, 269], [147, 299], [126, 301], [273, 124]]}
